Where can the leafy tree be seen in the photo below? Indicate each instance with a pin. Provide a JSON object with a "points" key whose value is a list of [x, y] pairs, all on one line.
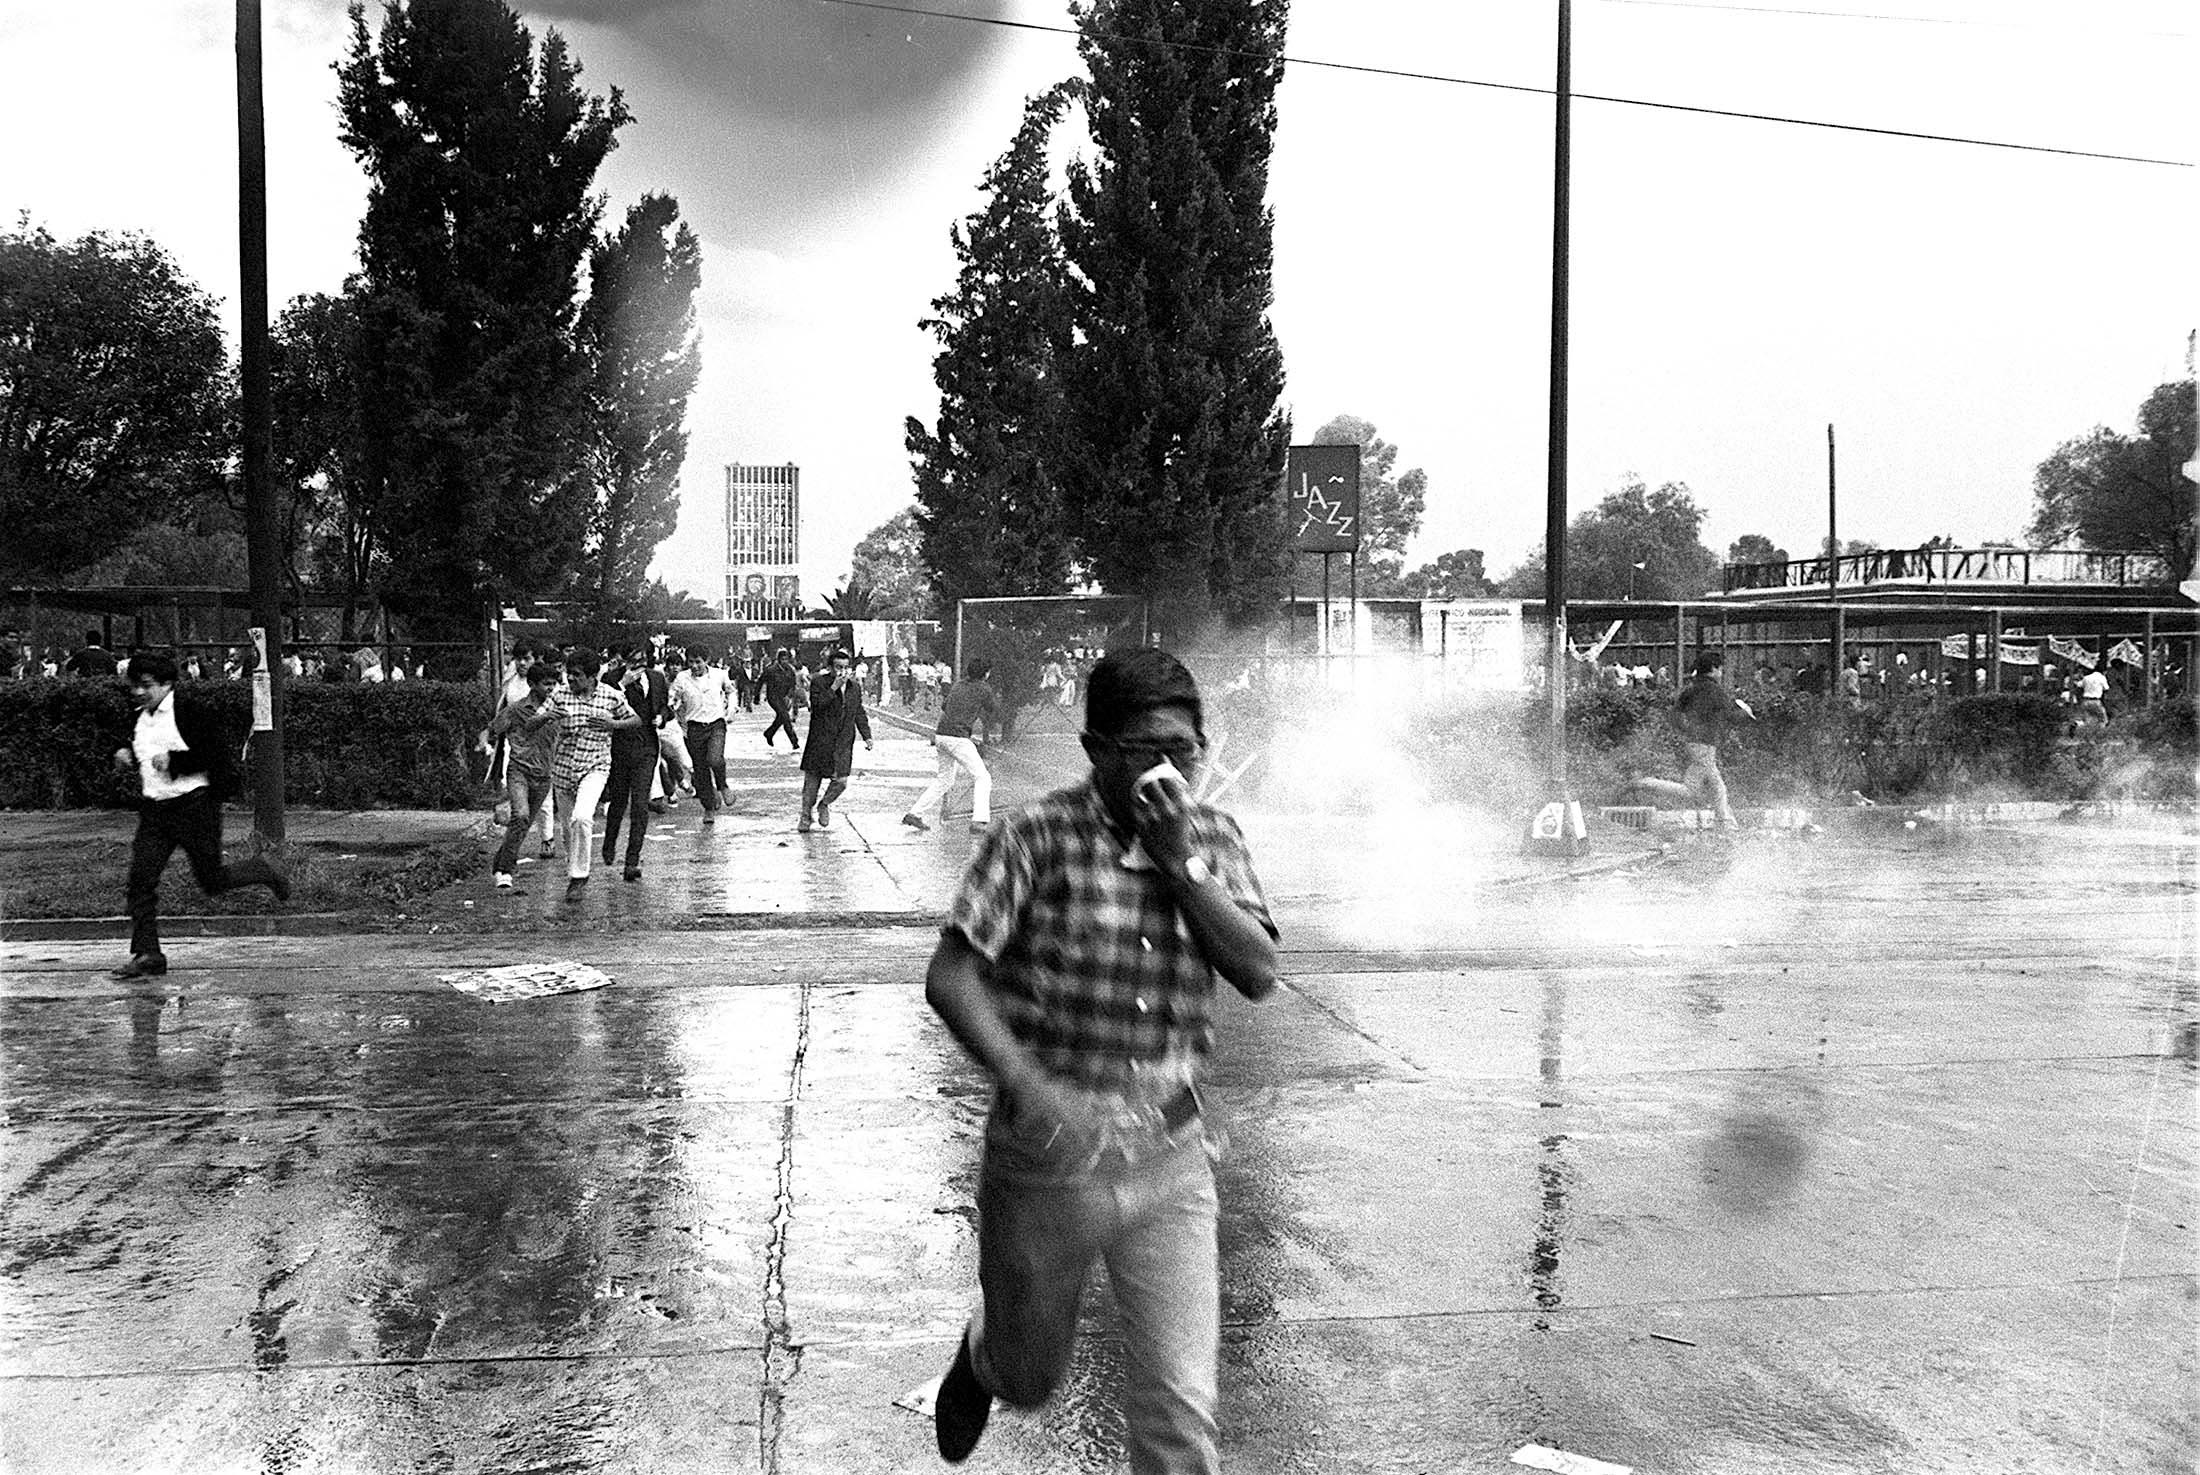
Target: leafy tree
{"points": [[853, 600], [1177, 446], [1755, 548], [1658, 529], [890, 561], [115, 396], [1454, 575], [659, 602], [479, 153], [332, 523], [990, 516], [1390, 509], [638, 335], [2116, 492]]}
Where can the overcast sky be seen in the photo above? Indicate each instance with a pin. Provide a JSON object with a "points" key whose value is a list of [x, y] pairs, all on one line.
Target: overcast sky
{"points": [[1954, 310]]}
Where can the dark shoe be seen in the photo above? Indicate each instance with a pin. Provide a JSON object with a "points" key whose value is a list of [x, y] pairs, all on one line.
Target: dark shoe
{"points": [[960, 1410], [278, 883], [824, 816], [656, 806], [803, 826], [914, 822], [610, 859], [141, 965], [574, 886], [710, 819], [634, 873]]}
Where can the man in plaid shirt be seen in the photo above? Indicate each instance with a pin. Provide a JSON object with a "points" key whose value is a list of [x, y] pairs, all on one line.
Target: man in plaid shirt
{"points": [[1078, 965], [581, 758]]}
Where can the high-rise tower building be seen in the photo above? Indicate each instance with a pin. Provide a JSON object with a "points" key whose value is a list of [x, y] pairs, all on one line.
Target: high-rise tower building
{"points": [[763, 542]]}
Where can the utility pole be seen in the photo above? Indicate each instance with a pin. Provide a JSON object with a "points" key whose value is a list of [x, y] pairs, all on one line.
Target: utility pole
{"points": [[1833, 581], [1557, 826], [262, 523]]}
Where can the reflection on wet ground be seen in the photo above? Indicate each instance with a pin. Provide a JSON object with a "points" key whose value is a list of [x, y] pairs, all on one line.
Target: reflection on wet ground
{"points": [[1854, 1154]]}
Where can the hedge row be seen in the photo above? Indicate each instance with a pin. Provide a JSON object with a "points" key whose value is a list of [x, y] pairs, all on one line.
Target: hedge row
{"points": [[406, 745]]}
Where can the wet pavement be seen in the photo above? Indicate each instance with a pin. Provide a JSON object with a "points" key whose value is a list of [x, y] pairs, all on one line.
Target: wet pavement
{"points": [[1873, 1153]]}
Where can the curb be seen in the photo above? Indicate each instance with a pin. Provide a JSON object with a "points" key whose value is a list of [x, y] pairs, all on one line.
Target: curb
{"points": [[117, 929]]}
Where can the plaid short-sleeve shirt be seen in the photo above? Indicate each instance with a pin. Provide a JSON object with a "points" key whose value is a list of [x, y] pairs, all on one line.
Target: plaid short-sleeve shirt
{"points": [[582, 747], [1092, 966]]}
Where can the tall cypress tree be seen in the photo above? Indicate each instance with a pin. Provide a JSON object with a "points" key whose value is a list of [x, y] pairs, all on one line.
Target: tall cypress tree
{"points": [[1177, 445], [990, 512], [638, 335], [480, 154]]}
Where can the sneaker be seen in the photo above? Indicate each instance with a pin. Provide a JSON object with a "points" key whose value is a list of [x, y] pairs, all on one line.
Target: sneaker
{"points": [[980, 824], [914, 822], [960, 1409], [504, 880], [141, 965]]}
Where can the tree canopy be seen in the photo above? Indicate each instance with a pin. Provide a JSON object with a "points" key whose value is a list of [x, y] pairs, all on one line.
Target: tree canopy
{"points": [[1633, 525], [890, 562], [2114, 492], [480, 154], [1755, 548], [990, 516], [1455, 575], [637, 334], [1176, 442], [115, 397], [1390, 508]]}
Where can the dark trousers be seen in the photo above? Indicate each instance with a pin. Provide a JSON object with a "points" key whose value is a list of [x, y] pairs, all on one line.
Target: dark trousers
{"points": [[626, 797], [706, 745], [193, 822], [782, 716]]}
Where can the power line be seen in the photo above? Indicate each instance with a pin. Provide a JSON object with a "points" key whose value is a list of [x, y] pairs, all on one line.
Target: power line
{"points": [[1449, 80]]}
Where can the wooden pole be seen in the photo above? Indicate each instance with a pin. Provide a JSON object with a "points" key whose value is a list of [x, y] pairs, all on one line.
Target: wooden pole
{"points": [[1554, 488]]}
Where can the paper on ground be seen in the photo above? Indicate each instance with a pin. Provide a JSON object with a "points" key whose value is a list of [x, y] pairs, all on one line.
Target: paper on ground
{"points": [[526, 980], [920, 1399], [1541, 1457]]}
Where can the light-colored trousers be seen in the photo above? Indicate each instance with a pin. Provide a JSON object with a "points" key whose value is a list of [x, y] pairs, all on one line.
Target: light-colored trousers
{"points": [[1043, 1222], [577, 819], [959, 753]]}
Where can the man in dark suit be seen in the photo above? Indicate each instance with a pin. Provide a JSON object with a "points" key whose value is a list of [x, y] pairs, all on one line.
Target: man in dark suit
{"points": [[837, 718], [184, 769]]}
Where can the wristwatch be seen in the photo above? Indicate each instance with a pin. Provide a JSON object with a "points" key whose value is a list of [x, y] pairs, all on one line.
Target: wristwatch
{"points": [[1197, 872]]}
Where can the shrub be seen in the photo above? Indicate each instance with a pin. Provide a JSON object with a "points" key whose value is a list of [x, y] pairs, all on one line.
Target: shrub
{"points": [[398, 745]]}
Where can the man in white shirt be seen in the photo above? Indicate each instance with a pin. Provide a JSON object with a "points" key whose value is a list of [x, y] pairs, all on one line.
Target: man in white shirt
{"points": [[700, 697], [183, 768], [2093, 697]]}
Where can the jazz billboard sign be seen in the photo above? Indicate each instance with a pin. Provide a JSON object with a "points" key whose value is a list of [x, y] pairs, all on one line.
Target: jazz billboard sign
{"points": [[1323, 487]]}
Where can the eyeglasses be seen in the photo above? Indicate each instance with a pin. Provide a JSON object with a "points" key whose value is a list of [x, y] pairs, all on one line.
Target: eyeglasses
{"points": [[1146, 755]]}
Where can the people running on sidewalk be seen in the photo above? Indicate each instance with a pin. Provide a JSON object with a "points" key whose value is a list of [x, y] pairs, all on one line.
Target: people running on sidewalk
{"points": [[837, 718], [699, 698], [634, 759], [1078, 965], [973, 711], [588, 713], [1702, 715], [184, 772], [780, 681], [528, 730]]}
